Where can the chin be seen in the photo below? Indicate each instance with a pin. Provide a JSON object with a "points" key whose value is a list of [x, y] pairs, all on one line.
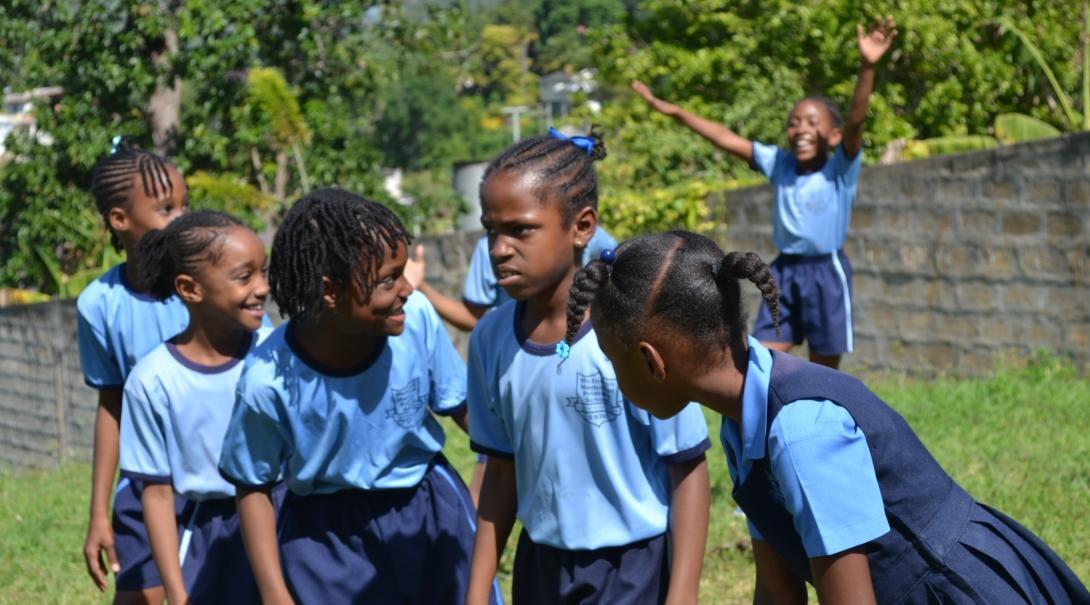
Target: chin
{"points": [[394, 329]]}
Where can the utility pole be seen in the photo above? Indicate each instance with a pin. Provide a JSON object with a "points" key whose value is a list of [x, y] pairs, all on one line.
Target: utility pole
{"points": [[516, 111]]}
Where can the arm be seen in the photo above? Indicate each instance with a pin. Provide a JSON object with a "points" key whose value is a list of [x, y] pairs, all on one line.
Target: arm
{"points": [[100, 535], [461, 418], [776, 584], [460, 314], [843, 578], [717, 134], [158, 502], [495, 518], [872, 46], [258, 522], [688, 527]]}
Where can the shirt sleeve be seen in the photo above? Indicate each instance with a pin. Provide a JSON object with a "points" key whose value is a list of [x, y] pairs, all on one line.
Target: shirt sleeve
{"points": [[681, 438], [847, 171], [822, 463], [487, 427], [765, 158], [144, 453], [257, 440], [447, 389], [480, 285], [100, 369]]}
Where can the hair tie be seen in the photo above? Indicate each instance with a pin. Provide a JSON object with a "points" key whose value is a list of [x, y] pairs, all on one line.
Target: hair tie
{"points": [[582, 142], [563, 349], [116, 143], [608, 256]]}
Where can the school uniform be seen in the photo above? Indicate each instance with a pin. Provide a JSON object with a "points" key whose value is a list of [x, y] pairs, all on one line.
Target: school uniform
{"points": [[374, 513], [821, 465], [117, 326], [173, 419], [810, 221], [592, 470]]}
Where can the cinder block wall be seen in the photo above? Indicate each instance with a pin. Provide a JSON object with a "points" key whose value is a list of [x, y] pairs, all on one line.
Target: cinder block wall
{"points": [[960, 262]]}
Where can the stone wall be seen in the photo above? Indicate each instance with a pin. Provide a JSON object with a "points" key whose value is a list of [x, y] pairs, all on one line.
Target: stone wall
{"points": [[960, 262]]}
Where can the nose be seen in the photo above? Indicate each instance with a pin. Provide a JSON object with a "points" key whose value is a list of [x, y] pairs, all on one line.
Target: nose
{"points": [[262, 289], [500, 248]]}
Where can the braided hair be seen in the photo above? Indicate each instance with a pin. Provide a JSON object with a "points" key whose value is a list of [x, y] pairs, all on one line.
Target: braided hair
{"points": [[680, 277], [334, 234], [111, 182], [181, 247], [566, 170]]}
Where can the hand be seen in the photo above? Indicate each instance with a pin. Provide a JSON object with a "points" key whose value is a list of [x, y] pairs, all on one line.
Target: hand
{"points": [[179, 598], [656, 103], [100, 537], [875, 43], [415, 268]]}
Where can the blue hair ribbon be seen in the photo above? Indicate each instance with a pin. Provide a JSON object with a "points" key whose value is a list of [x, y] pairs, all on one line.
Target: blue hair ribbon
{"points": [[582, 142], [116, 143]]}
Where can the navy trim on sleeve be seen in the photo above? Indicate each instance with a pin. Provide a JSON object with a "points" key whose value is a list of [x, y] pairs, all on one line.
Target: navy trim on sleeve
{"points": [[487, 451], [245, 485], [102, 387], [461, 407], [689, 454], [147, 479]]}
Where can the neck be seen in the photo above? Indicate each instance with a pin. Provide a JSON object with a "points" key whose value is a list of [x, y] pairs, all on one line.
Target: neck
{"points": [[327, 342], [132, 267], [546, 316], [720, 389], [210, 340]]}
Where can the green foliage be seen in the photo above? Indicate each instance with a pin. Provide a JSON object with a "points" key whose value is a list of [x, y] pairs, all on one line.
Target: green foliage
{"points": [[1016, 128], [230, 194], [628, 212]]}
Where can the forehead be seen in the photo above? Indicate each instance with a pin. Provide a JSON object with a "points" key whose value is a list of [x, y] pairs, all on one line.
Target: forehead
{"points": [[810, 107], [508, 194]]}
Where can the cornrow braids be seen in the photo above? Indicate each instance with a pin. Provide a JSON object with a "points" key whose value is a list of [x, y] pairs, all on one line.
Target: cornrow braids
{"points": [[826, 102], [334, 234], [566, 171], [111, 182], [679, 277], [181, 247]]}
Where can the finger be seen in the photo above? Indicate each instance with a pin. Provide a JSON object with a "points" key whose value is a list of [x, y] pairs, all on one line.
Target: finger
{"points": [[95, 568], [859, 30], [419, 252], [111, 555]]}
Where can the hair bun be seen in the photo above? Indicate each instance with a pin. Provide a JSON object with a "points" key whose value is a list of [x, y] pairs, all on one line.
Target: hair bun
{"points": [[599, 150]]}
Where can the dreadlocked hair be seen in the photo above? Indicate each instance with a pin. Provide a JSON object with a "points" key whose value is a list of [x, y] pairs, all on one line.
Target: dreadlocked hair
{"points": [[111, 182], [334, 234], [180, 248], [679, 277], [566, 171], [824, 101]]}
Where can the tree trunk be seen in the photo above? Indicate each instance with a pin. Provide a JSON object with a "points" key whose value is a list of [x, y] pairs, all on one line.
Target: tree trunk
{"points": [[282, 175], [164, 107]]}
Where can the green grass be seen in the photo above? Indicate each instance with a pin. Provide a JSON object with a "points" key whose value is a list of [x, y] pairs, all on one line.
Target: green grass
{"points": [[1017, 441]]}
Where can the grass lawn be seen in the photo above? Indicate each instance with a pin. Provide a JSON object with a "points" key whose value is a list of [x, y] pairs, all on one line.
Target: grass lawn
{"points": [[1019, 441]]}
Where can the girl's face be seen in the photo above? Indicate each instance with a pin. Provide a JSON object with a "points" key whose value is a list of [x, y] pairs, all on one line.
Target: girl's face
{"points": [[811, 132], [383, 311], [234, 285], [144, 213], [531, 246]]}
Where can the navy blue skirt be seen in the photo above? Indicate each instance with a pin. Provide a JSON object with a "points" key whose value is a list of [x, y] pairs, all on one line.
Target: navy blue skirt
{"points": [[996, 560], [138, 569]]}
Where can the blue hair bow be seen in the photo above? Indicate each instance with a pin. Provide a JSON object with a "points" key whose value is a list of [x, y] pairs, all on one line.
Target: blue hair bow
{"points": [[116, 143], [582, 142]]}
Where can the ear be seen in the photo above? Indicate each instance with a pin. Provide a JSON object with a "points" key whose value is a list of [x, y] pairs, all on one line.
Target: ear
{"points": [[584, 224], [835, 136], [188, 289], [118, 219], [656, 366], [329, 293]]}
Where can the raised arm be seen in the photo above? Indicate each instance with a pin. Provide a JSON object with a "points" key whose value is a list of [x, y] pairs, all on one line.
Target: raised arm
{"points": [[719, 135], [688, 528], [872, 46], [495, 518]]}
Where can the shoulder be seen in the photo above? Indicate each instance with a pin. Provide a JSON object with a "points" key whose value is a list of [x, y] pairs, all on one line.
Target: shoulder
{"points": [[808, 419], [499, 321], [95, 294], [269, 354], [151, 368]]}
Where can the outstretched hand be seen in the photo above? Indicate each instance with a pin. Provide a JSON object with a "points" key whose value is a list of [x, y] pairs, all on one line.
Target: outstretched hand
{"points": [[656, 103], [415, 268], [874, 43]]}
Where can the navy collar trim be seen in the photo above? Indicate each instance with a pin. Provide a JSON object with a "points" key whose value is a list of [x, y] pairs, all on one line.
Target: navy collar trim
{"points": [[537, 348], [207, 369]]}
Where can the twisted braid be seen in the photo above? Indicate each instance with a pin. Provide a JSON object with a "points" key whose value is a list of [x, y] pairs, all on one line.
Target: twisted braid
{"points": [[749, 266], [111, 181], [585, 286]]}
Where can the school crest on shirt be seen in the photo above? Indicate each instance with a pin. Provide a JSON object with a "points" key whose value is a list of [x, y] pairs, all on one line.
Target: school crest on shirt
{"points": [[407, 405], [597, 399]]}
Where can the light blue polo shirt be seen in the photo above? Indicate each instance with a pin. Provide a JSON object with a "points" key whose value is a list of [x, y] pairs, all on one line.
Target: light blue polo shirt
{"points": [[174, 417], [591, 468], [480, 285], [367, 427], [812, 211], [116, 326], [818, 457]]}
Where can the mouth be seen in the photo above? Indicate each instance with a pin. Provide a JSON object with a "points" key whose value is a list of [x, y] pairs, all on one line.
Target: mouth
{"points": [[505, 276], [397, 314], [803, 144], [255, 309]]}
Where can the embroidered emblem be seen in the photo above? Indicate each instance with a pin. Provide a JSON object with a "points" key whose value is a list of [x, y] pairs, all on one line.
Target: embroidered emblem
{"points": [[407, 405], [597, 399]]}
